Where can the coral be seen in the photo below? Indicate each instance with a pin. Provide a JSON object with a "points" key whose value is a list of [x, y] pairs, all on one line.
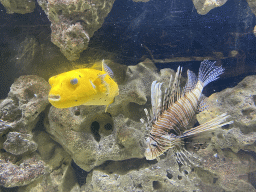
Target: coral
{"points": [[74, 22], [18, 6], [204, 6]]}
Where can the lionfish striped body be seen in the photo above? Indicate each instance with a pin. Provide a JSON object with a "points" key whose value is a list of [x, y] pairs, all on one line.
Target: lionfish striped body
{"points": [[170, 119]]}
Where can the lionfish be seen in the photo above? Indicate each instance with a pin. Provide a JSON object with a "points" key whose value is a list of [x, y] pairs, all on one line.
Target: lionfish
{"points": [[172, 113]]}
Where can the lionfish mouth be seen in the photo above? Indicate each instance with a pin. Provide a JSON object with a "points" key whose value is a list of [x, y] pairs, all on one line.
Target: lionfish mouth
{"points": [[148, 154], [53, 97]]}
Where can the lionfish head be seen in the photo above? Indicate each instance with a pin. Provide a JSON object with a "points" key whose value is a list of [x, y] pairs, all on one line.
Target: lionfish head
{"points": [[157, 148], [152, 150]]}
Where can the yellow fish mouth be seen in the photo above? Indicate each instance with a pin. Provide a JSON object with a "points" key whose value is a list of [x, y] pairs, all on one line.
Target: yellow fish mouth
{"points": [[54, 97]]}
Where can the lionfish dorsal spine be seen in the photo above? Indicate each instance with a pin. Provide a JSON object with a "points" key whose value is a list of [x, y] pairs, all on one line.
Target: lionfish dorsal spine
{"points": [[156, 99], [191, 82], [172, 92], [215, 123]]}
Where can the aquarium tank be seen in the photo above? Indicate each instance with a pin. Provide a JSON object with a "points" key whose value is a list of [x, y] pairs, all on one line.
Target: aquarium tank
{"points": [[127, 95]]}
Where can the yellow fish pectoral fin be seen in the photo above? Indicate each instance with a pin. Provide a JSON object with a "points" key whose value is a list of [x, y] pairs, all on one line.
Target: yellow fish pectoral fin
{"points": [[107, 69], [104, 84], [94, 86], [100, 85]]}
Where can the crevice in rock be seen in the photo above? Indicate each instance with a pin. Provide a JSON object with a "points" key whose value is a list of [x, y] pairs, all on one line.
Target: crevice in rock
{"points": [[157, 185], [81, 174], [125, 166], [95, 126]]}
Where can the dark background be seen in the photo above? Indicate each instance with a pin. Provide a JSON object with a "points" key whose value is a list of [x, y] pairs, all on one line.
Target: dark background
{"points": [[132, 31]]}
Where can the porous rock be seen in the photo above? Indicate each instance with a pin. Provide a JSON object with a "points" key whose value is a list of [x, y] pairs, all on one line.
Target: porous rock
{"points": [[228, 159], [19, 112], [235, 140], [74, 22], [61, 176], [252, 5], [204, 6], [238, 102], [61, 179], [26, 100], [18, 6], [226, 169], [141, 175], [12, 175], [18, 143], [114, 141]]}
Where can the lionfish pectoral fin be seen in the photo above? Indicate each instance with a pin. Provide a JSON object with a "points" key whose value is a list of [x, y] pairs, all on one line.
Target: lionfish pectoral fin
{"points": [[215, 123], [94, 86], [187, 158]]}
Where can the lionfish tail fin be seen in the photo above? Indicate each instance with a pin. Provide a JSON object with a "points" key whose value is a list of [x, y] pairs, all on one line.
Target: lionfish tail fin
{"points": [[215, 123], [208, 72]]}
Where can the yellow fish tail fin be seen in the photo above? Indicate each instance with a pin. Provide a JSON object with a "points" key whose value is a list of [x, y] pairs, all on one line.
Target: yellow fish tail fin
{"points": [[109, 104]]}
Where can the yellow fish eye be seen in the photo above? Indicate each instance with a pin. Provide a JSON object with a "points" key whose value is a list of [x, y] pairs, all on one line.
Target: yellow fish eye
{"points": [[74, 81]]}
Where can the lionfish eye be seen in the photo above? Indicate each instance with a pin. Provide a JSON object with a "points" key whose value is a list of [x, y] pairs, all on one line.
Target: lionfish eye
{"points": [[153, 144], [74, 81]]}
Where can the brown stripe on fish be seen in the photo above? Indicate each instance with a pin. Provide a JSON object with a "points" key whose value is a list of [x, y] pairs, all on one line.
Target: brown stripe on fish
{"points": [[172, 116]]}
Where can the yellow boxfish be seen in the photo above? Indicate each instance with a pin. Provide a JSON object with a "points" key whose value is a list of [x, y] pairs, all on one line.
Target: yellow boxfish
{"points": [[83, 87], [172, 113]]}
